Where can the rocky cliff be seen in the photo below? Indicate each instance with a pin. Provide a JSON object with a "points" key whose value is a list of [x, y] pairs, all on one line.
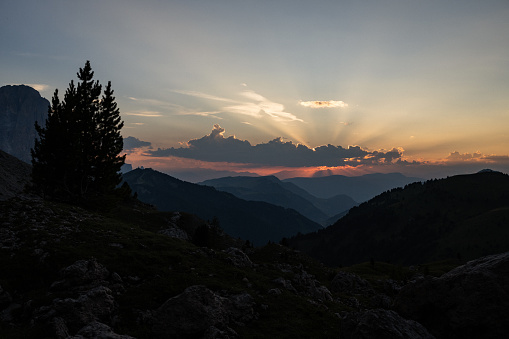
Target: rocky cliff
{"points": [[20, 107]]}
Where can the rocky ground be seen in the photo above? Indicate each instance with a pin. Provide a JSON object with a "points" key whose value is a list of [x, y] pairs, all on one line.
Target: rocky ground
{"points": [[68, 272]]}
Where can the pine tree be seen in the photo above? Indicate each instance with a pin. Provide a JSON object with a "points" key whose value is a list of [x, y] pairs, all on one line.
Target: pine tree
{"points": [[109, 124], [77, 152]]}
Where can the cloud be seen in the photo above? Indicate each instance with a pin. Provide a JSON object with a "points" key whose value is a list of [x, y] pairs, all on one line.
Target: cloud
{"points": [[215, 147], [202, 114], [204, 95], [39, 87], [257, 105], [146, 114], [501, 159], [324, 104], [132, 143], [477, 157], [457, 156]]}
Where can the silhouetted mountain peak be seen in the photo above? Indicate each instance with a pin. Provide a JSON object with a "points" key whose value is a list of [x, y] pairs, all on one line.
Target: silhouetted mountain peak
{"points": [[20, 107], [487, 170]]}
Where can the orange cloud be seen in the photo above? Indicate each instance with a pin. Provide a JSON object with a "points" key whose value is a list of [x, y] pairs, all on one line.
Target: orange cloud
{"points": [[324, 104]]}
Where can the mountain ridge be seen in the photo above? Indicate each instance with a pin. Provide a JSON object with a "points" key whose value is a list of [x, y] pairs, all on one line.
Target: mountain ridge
{"points": [[359, 188], [463, 216], [258, 222], [274, 191]]}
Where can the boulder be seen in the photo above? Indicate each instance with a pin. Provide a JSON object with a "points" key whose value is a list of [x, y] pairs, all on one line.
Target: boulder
{"points": [[96, 304], [98, 330], [198, 312], [381, 324], [345, 282], [90, 290], [238, 258], [312, 287], [471, 301], [82, 273]]}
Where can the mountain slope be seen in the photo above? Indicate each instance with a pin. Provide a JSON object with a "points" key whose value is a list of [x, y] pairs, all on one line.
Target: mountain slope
{"points": [[14, 176], [20, 107], [464, 217], [270, 189], [255, 221], [360, 188]]}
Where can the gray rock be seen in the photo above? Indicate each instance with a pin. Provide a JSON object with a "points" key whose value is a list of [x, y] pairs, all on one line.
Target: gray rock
{"points": [[287, 284], [312, 287], [470, 301], [238, 258], [241, 308], [173, 230], [198, 312], [345, 282], [215, 333], [275, 291], [97, 304], [82, 273], [60, 328], [380, 324], [98, 330]]}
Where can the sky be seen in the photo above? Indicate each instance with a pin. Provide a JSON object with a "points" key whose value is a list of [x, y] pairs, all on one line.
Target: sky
{"points": [[292, 88]]}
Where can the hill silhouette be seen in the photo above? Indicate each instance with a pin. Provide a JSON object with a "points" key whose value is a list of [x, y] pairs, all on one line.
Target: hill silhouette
{"points": [[463, 217], [258, 222], [360, 188], [274, 191]]}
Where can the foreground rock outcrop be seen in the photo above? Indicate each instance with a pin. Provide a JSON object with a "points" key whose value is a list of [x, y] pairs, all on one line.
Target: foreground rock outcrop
{"points": [[381, 324], [200, 313], [470, 301], [91, 303]]}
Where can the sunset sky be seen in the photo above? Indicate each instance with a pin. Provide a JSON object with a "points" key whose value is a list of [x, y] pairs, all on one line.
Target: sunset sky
{"points": [[289, 87]]}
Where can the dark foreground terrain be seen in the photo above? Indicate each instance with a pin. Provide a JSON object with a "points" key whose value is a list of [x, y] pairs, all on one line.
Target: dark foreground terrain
{"points": [[69, 272]]}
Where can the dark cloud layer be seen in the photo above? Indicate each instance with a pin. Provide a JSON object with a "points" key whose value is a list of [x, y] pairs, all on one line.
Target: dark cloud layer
{"points": [[216, 148], [132, 143]]}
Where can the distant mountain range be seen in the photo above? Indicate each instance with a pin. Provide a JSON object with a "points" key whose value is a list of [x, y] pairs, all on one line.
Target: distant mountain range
{"points": [[286, 194], [359, 188], [462, 217], [20, 107], [258, 222]]}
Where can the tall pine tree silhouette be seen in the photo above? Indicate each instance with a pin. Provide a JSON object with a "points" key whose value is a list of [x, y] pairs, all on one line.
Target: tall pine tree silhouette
{"points": [[77, 152]]}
